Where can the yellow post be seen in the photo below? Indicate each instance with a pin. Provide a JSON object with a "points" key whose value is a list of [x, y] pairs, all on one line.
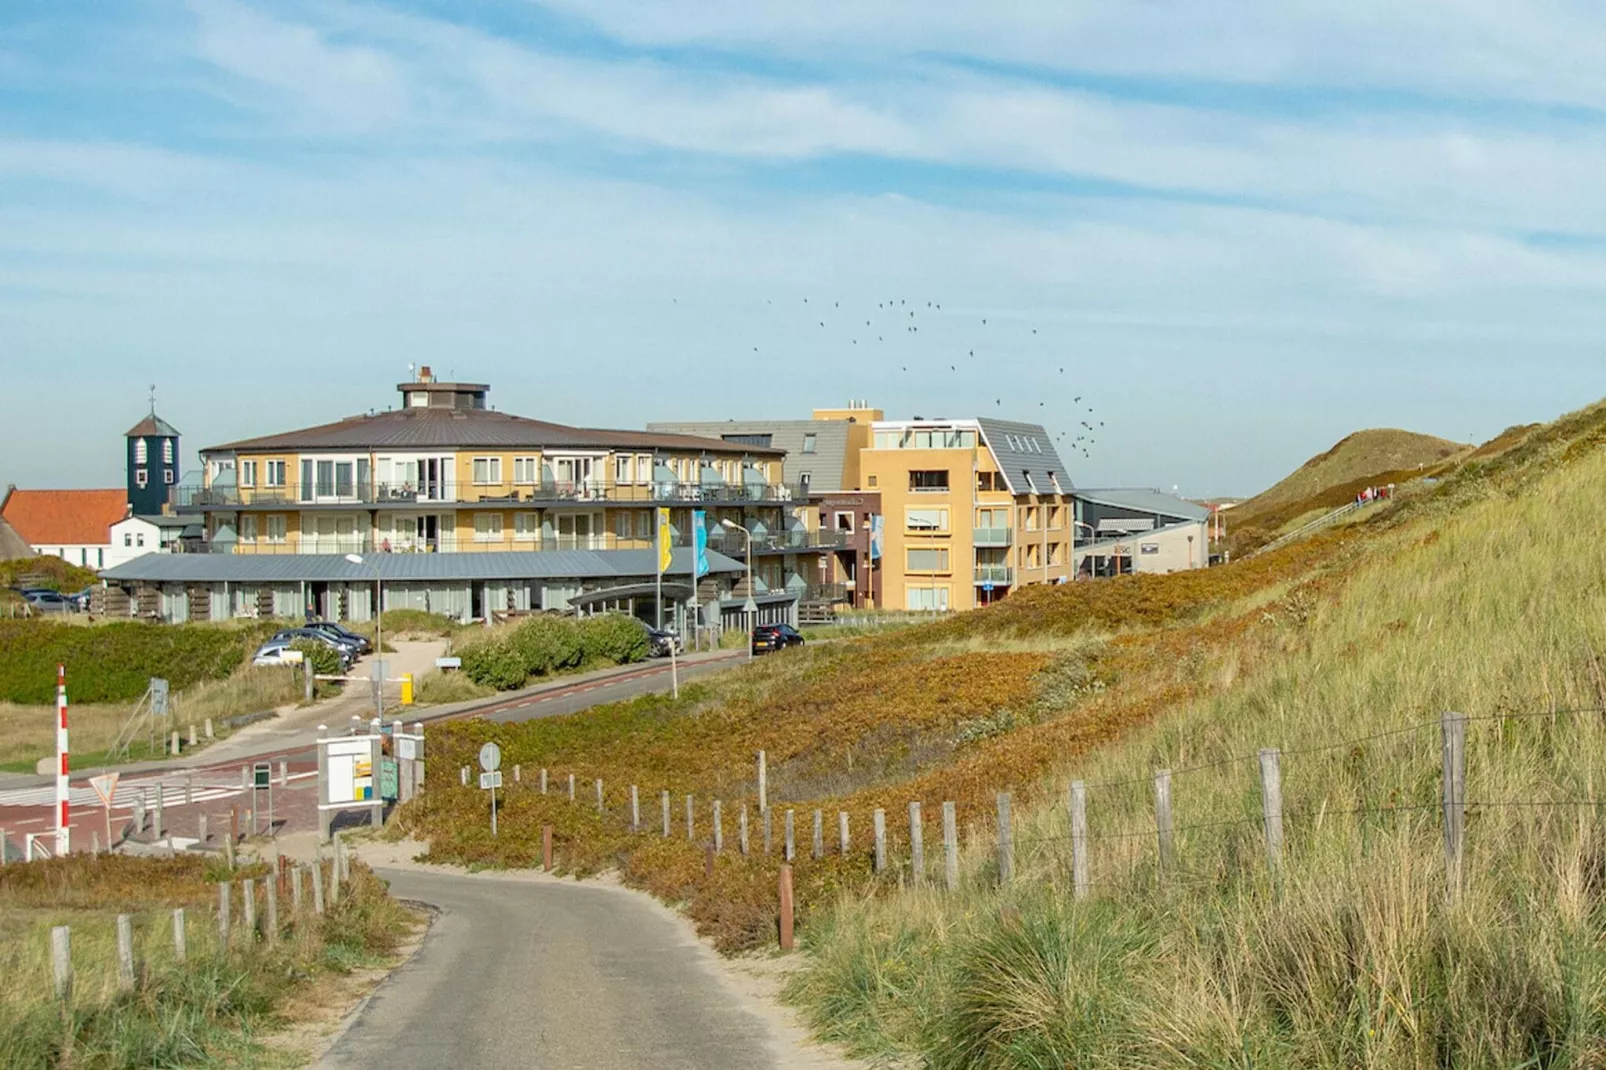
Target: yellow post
{"points": [[407, 689]]}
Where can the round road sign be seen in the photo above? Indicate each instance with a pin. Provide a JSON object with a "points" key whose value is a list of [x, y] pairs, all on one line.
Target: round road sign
{"points": [[490, 757]]}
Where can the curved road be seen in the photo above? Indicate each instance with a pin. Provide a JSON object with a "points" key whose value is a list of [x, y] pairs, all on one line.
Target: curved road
{"points": [[552, 974]]}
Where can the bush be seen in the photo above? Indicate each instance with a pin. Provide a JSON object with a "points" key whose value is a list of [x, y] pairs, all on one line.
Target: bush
{"points": [[548, 644], [494, 663], [114, 662], [323, 658], [612, 637]]}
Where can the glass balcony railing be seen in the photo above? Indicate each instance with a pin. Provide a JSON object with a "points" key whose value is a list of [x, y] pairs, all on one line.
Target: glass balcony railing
{"points": [[549, 492], [996, 574], [991, 536]]}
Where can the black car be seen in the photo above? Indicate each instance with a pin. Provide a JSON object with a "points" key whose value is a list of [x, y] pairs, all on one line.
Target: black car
{"points": [[341, 634], [660, 643], [767, 637], [348, 649]]}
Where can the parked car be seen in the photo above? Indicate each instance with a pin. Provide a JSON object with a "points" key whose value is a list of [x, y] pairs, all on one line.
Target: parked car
{"points": [[660, 642], [80, 600], [768, 637], [271, 653], [47, 601], [348, 650], [339, 633]]}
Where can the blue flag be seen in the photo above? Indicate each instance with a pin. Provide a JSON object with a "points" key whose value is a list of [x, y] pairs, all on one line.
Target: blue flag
{"points": [[699, 530]]}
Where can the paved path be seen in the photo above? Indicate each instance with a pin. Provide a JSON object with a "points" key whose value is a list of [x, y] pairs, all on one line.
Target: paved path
{"points": [[522, 973]]}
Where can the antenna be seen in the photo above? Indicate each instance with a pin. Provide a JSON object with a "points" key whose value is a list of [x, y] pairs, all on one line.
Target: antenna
{"points": [[411, 376], [153, 399]]}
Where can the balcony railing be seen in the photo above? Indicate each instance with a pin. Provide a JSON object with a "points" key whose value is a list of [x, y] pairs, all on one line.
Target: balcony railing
{"points": [[547, 492], [1000, 574], [446, 544], [991, 536], [734, 543]]}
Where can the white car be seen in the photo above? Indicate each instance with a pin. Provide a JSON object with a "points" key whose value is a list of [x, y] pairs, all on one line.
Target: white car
{"points": [[276, 654]]}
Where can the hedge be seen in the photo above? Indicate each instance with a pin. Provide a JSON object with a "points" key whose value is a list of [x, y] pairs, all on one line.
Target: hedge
{"points": [[114, 662], [545, 645]]}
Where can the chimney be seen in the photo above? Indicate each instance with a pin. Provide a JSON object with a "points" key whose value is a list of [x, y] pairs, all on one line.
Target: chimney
{"points": [[424, 375]]}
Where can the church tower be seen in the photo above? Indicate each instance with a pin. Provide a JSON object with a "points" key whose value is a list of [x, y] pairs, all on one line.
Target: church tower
{"points": [[152, 462]]}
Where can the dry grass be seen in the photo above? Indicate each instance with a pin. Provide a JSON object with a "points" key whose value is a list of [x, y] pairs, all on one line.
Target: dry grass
{"points": [[1356, 458]]}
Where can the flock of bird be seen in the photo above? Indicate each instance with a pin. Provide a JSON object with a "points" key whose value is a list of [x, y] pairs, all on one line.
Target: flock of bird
{"points": [[926, 340]]}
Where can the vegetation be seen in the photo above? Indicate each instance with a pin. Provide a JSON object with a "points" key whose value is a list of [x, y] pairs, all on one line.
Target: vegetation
{"points": [[211, 1011], [45, 571], [506, 658], [114, 662]]}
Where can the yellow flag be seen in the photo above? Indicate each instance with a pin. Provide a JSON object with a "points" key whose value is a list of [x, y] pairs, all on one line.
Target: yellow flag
{"points": [[664, 540]]}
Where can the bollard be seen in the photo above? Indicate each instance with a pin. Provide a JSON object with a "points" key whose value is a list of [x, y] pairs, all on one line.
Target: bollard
{"points": [[209, 734], [189, 787], [768, 836], [664, 800], [200, 831], [175, 746], [517, 773], [571, 787], [917, 845], [950, 846], [463, 775], [819, 835], [599, 795], [61, 960], [284, 773], [878, 822], [842, 831], [689, 817], [193, 739], [543, 782]]}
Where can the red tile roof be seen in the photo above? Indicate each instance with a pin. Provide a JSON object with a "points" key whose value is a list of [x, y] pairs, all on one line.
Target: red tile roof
{"points": [[65, 517]]}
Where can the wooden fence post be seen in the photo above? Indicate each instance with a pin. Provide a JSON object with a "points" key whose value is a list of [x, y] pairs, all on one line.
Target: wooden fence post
{"points": [[462, 775], [842, 832], [741, 831], [719, 827], [223, 899], [125, 951], [917, 846], [571, 787], [518, 774], [542, 779], [950, 846], [61, 960], [295, 892], [271, 891], [878, 822], [763, 784], [1006, 840], [769, 831], [315, 871], [663, 798], [786, 907], [819, 835], [546, 848], [635, 810], [789, 843], [1162, 820], [1453, 732], [1079, 880], [248, 901], [599, 795], [689, 813], [180, 937], [1271, 806]]}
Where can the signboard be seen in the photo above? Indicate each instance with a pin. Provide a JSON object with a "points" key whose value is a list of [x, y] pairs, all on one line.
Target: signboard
{"points": [[1148, 547], [293, 657], [409, 749], [490, 757], [448, 663], [105, 785], [987, 586], [389, 778], [362, 779], [491, 780], [262, 775], [158, 696], [350, 765]]}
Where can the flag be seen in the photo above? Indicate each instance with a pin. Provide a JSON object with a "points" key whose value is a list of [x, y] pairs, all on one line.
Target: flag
{"points": [[699, 533], [875, 537], [665, 540]]}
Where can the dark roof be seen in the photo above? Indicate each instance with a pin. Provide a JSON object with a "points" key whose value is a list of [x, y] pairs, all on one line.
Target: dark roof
{"points": [[471, 429], [1145, 500], [151, 425], [420, 568], [824, 466], [162, 520], [1022, 448]]}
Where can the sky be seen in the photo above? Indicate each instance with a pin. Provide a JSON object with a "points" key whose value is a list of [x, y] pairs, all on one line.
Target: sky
{"points": [[1236, 232]]}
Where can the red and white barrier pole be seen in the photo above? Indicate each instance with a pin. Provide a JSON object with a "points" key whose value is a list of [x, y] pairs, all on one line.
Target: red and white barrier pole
{"points": [[63, 843]]}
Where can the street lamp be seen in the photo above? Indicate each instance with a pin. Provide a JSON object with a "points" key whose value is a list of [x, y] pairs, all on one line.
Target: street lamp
{"points": [[379, 631], [752, 607]]}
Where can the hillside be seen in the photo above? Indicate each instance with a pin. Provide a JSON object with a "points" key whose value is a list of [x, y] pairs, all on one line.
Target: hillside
{"points": [[1341, 650]]}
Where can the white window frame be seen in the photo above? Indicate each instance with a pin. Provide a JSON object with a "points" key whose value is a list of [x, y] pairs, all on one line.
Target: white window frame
{"points": [[141, 478], [942, 551], [493, 471], [167, 476], [248, 473], [526, 471], [488, 527], [276, 528], [167, 451], [624, 468], [944, 519], [273, 473], [248, 527], [810, 441], [917, 598], [142, 452], [526, 526]]}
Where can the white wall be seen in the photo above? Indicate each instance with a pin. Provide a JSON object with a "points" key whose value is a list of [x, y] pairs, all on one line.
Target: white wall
{"points": [[131, 538], [95, 557]]}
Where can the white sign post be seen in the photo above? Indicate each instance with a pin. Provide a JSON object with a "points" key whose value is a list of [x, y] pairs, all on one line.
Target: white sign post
{"points": [[105, 786], [491, 779]]}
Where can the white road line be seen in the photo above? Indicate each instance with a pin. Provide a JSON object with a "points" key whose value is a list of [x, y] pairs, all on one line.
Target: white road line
{"points": [[127, 791]]}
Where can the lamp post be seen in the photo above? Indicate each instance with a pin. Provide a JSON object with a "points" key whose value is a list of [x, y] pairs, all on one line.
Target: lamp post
{"points": [[752, 607], [379, 631]]}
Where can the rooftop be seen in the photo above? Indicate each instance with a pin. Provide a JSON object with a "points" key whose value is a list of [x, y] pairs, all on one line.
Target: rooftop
{"points": [[152, 425], [1145, 500], [65, 517]]}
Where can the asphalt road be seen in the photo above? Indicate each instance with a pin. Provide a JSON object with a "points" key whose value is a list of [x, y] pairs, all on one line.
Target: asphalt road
{"points": [[546, 975], [583, 696]]}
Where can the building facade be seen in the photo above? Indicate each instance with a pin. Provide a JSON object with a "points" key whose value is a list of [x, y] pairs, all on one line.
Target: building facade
{"points": [[74, 525], [1131, 530], [152, 463]]}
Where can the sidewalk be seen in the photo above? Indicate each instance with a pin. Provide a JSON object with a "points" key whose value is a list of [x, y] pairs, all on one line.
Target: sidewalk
{"points": [[275, 735]]}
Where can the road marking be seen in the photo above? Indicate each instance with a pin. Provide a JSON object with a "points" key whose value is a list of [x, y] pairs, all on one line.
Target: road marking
{"points": [[129, 790]]}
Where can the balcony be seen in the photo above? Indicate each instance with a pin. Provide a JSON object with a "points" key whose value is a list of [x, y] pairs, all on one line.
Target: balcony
{"points": [[734, 543], [992, 536], [549, 492], [999, 575]]}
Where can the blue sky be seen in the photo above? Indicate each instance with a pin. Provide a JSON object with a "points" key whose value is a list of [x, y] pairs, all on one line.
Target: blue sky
{"points": [[1242, 230]]}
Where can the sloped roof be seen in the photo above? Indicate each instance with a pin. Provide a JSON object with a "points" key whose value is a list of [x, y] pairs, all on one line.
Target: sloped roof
{"points": [[419, 568], [470, 429], [823, 466], [1022, 448], [1145, 500], [66, 517], [151, 425], [12, 545]]}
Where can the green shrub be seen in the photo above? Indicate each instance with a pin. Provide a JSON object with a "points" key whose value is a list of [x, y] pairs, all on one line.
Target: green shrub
{"points": [[323, 658], [114, 662], [547, 644], [612, 637], [494, 663]]}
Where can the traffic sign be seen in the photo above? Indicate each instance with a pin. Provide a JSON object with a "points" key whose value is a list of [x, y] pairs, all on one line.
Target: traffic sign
{"points": [[262, 775], [491, 780], [159, 693], [490, 757], [105, 785]]}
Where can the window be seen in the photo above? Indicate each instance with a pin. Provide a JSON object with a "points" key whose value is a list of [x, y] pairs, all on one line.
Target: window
{"points": [[990, 481], [803, 482], [750, 440], [141, 478], [276, 526], [1054, 518], [844, 520], [167, 476], [624, 468], [141, 452], [1031, 487], [128, 538], [925, 519], [643, 525], [621, 525], [525, 471], [927, 598], [929, 481], [928, 559], [248, 473], [487, 470], [248, 527], [887, 440], [643, 468], [872, 481], [808, 443], [1031, 518], [487, 526], [273, 473], [167, 451], [526, 526], [139, 539]]}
